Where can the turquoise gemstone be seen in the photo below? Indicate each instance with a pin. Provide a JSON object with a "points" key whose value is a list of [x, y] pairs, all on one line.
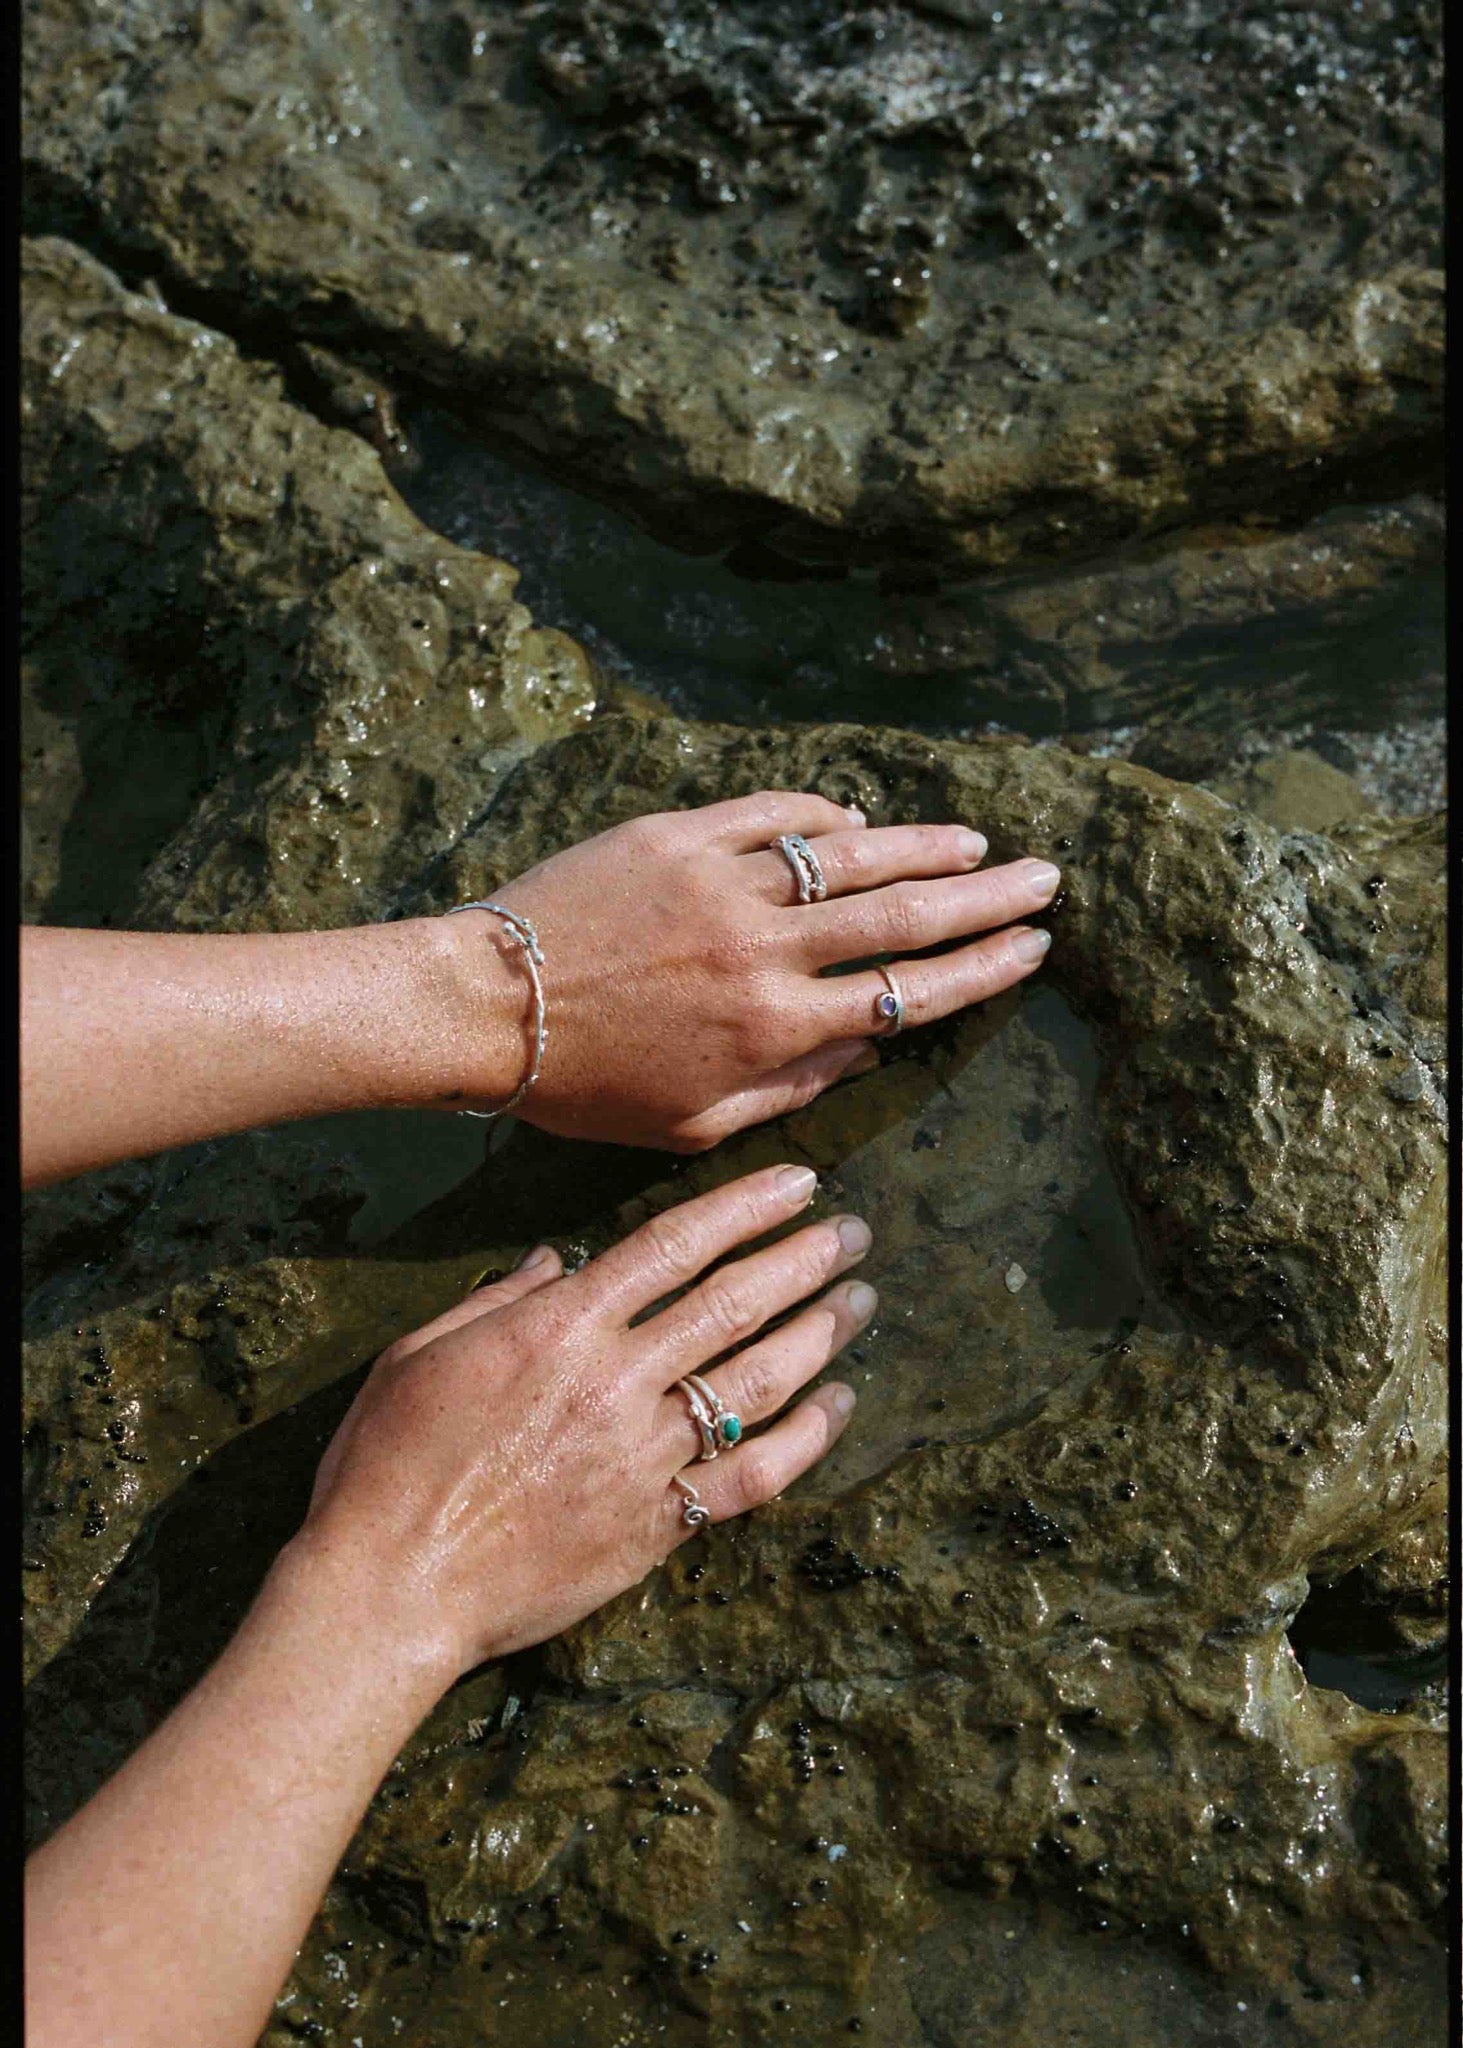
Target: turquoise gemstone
{"points": [[731, 1428]]}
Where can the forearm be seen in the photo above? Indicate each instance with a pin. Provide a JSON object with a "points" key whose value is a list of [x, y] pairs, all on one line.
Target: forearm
{"points": [[171, 1907], [133, 1042]]}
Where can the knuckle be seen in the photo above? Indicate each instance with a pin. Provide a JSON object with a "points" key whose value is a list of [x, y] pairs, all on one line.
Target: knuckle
{"points": [[670, 1243], [755, 1385], [692, 1138], [656, 831], [906, 914], [728, 1304], [760, 1024]]}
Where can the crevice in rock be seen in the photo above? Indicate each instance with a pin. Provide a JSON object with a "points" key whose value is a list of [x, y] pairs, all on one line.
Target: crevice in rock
{"points": [[1345, 1645]]}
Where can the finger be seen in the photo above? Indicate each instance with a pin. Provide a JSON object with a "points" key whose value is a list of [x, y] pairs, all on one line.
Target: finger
{"points": [[908, 916], [761, 1380], [867, 860], [672, 1248], [756, 1473], [785, 1089], [734, 1302], [745, 822], [935, 988], [536, 1270]]}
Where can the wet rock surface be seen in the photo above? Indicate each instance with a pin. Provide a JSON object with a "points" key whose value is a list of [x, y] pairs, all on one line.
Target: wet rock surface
{"points": [[1016, 1662], [1245, 632], [932, 286], [1061, 384], [311, 691]]}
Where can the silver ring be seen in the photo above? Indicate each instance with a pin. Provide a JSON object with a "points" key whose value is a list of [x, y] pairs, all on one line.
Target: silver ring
{"points": [[806, 871], [704, 1417], [726, 1426], [889, 1008], [692, 1513]]}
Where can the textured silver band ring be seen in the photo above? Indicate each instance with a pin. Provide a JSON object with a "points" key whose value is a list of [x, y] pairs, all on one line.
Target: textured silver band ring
{"points": [[807, 873], [726, 1427], [704, 1418], [692, 1513], [889, 1007]]}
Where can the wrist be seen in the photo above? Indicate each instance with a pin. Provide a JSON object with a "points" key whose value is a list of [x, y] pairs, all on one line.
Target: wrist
{"points": [[468, 1051], [378, 1633]]}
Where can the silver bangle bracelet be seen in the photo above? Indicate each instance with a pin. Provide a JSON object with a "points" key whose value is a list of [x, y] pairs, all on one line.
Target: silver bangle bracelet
{"points": [[518, 928]]}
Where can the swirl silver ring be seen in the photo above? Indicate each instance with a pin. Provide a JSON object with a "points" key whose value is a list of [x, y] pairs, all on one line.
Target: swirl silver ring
{"points": [[719, 1429], [692, 1513], [806, 871], [889, 1008]]}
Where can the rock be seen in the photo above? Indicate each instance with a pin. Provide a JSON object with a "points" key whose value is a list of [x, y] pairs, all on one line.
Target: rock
{"points": [[935, 288], [313, 693], [1215, 634], [1298, 791], [1019, 1648]]}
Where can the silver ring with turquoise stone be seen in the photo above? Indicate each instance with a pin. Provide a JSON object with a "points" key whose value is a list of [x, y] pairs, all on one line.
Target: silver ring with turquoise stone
{"points": [[719, 1427]]}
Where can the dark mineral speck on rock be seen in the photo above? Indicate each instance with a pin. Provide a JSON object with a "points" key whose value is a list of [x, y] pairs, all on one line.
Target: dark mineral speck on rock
{"points": [[1063, 367]]}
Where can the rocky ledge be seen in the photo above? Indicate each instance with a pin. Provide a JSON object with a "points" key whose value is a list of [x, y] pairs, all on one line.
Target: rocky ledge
{"points": [[929, 286]]}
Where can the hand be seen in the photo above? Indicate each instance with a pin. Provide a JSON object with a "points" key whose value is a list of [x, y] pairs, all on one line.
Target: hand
{"points": [[508, 1468], [684, 981]]}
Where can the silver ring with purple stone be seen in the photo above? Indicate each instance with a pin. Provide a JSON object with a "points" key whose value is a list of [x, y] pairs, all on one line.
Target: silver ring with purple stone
{"points": [[807, 872], [889, 1007]]}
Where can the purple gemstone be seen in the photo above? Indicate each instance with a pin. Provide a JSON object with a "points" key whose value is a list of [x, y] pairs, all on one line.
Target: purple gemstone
{"points": [[887, 1006]]}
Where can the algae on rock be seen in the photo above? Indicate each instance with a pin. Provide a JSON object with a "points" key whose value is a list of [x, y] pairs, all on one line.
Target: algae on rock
{"points": [[259, 689], [1023, 1640], [940, 287]]}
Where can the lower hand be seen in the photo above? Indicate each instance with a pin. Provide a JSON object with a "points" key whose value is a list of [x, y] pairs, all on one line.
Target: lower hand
{"points": [[685, 989], [510, 1467]]}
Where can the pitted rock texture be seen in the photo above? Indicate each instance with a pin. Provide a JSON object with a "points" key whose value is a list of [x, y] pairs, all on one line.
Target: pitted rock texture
{"points": [[251, 676], [911, 285], [1019, 1654]]}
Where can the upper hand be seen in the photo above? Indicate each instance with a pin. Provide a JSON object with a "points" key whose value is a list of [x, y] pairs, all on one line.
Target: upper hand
{"points": [[684, 984]]}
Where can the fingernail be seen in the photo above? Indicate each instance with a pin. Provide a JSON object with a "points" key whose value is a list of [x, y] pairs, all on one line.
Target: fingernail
{"points": [[863, 1061], [854, 815], [539, 1256], [1040, 875], [974, 846], [854, 1234], [1030, 945], [862, 1300], [843, 1400], [796, 1183]]}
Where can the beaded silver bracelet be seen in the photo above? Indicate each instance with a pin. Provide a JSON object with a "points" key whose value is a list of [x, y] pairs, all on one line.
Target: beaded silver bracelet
{"points": [[518, 928]]}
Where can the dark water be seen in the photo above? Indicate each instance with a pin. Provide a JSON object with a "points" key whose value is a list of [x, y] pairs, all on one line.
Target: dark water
{"points": [[1186, 628]]}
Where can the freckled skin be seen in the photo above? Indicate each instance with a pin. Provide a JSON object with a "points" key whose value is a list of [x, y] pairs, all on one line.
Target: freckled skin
{"points": [[684, 990], [430, 1545], [508, 1468]]}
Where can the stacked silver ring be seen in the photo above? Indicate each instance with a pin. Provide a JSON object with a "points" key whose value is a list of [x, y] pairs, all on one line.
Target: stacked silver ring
{"points": [[719, 1428], [806, 871]]}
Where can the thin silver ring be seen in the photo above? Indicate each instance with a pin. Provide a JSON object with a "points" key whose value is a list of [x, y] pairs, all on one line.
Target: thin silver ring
{"points": [[889, 1009], [704, 1417], [807, 873], [692, 1513]]}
